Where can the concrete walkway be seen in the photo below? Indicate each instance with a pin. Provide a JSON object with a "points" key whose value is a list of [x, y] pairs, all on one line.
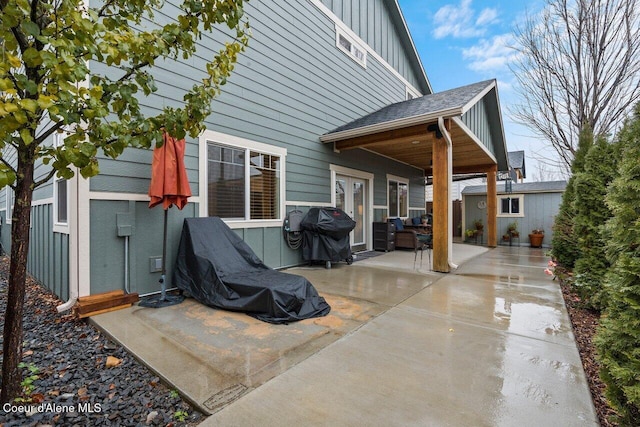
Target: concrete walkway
{"points": [[488, 345]]}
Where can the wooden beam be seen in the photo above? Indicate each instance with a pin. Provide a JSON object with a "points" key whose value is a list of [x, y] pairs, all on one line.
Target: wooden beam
{"points": [[408, 134], [482, 168], [441, 200], [492, 207]]}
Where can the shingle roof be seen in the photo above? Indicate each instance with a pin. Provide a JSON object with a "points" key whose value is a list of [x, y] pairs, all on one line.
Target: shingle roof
{"points": [[516, 159], [428, 104], [526, 187]]}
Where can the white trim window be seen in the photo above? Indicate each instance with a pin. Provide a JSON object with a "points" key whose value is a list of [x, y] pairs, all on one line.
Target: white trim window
{"points": [[348, 45], [511, 205], [398, 196], [244, 179], [9, 198], [60, 196], [411, 94]]}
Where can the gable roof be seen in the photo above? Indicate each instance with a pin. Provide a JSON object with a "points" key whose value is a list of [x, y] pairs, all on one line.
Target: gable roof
{"points": [[516, 161], [526, 187], [453, 102]]}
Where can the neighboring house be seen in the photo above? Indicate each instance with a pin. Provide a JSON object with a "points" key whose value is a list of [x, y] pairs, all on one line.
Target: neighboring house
{"points": [[517, 166], [531, 205], [283, 135]]}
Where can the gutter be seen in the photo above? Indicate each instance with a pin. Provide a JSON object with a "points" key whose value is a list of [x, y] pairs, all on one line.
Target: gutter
{"points": [[447, 138], [391, 125]]}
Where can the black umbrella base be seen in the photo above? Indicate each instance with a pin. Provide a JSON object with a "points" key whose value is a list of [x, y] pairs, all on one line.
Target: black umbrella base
{"points": [[159, 302]]}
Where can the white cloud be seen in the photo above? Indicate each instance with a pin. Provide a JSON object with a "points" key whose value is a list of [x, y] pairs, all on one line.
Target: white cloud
{"points": [[459, 21], [487, 16], [494, 54]]}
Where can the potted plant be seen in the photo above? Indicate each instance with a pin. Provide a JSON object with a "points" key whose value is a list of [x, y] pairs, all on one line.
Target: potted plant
{"points": [[512, 229], [536, 237], [506, 237], [470, 233], [478, 224]]}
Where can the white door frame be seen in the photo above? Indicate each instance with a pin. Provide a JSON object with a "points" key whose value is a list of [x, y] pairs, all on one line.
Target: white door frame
{"points": [[368, 178]]}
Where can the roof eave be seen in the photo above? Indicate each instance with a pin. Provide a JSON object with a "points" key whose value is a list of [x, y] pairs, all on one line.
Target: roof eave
{"points": [[391, 125], [413, 46]]}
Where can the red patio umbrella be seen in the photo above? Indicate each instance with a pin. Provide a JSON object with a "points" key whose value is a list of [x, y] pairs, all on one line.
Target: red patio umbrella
{"points": [[169, 186]]}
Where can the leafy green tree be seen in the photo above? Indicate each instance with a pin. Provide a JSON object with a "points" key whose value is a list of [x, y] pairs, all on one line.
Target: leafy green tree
{"points": [[564, 245], [47, 85], [591, 213], [618, 337]]}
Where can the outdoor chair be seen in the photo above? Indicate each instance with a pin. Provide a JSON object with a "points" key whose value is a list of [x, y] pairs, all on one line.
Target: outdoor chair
{"points": [[412, 239]]}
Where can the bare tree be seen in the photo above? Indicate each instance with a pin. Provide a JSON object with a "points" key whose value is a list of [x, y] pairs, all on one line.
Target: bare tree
{"points": [[578, 64]]}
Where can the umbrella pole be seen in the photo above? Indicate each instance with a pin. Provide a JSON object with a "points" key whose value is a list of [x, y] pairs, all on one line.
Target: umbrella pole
{"points": [[163, 280], [164, 300]]}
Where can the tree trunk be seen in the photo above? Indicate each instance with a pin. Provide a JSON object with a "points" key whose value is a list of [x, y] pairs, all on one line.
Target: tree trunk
{"points": [[12, 344]]}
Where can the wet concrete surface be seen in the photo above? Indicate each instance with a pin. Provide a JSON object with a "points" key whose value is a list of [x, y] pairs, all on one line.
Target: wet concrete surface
{"points": [[487, 345], [214, 356]]}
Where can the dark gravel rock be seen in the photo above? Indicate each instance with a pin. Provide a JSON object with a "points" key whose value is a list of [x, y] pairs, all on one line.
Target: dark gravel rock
{"points": [[74, 385]]}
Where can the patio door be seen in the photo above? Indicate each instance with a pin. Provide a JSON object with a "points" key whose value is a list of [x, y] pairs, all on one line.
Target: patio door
{"points": [[351, 194]]}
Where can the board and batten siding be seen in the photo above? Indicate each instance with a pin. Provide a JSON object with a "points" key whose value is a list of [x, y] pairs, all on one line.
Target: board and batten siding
{"points": [[290, 86], [48, 258], [484, 125], [539, 211], [374, 23]]}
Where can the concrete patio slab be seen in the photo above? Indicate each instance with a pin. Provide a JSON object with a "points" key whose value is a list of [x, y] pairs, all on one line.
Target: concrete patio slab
{"points": [[487, 345], [215, 356], [407, 368]]}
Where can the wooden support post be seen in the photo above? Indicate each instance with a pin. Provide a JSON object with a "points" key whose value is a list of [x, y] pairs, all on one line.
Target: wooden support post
{"points": [[492, 207], [441, 201]]}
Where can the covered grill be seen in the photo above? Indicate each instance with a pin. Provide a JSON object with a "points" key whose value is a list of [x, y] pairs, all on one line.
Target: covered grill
{"points": [[325, 234]]}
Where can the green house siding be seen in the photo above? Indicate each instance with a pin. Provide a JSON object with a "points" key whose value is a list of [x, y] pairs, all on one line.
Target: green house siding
{"points": [[48, 260], [291, 85], [374, 22], [483, 119], [145, 242], [477, 120]]}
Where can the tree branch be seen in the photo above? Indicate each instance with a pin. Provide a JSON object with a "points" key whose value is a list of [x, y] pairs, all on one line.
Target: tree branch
{"points": [[7, 164], [46, 179]]}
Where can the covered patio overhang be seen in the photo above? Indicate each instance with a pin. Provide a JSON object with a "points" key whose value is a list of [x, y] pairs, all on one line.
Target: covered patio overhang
{"points": [[458, 131]]}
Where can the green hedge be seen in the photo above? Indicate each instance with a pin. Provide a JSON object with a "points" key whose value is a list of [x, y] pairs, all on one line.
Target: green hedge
{"points": [[591, 213], [618, 337]]}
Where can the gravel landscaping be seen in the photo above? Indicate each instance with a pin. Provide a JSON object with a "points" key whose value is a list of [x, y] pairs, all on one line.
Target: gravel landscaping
{"points": [[83, 378]]}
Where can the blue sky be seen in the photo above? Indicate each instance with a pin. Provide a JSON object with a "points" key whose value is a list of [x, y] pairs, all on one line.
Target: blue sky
{"points": [[466, 41]]}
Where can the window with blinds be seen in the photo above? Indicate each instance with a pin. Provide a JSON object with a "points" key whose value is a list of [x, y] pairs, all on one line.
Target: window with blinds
{"points": [[243, 184]]}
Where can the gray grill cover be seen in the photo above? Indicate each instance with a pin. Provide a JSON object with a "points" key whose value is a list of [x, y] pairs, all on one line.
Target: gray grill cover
{"points": [[220, 270]]}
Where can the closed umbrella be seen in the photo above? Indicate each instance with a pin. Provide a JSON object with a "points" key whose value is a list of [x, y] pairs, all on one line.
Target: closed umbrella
{"points": [[169, 186]]}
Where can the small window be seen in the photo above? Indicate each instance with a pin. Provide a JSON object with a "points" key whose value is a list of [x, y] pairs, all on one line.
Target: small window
{"points": [[62, 208], [60, 195], [348, 45], [10, 198], [398, 199], [411, 93], [511, 205]]}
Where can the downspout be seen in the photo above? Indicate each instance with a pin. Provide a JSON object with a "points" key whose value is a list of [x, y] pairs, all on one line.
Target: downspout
{"points": [[447, 138], [73, 252]]}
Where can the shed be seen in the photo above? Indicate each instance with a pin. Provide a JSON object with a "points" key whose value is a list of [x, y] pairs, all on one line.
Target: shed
{"points": [[532, 205]]}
